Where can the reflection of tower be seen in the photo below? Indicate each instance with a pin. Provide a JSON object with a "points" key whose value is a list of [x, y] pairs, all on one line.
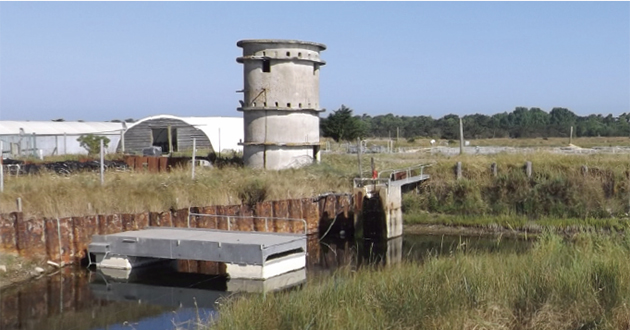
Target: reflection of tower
{"points": [[281, 102]]}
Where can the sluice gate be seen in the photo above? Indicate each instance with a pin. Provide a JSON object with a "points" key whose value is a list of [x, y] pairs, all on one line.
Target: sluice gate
{"points": [[378, 201]]}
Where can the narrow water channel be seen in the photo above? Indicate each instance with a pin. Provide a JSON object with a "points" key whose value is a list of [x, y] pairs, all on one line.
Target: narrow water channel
{"points": [[171, 298]]}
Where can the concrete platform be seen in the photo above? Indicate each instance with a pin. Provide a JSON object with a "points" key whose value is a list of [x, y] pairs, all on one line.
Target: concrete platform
{"points": [[253, 255]]}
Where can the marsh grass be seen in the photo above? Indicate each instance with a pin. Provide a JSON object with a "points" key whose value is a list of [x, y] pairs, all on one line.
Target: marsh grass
{"points": [[584, 283], [558, 188]]}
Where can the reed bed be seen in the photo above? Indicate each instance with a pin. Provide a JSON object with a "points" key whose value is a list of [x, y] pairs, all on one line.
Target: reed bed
{"points": [[581, 284]]}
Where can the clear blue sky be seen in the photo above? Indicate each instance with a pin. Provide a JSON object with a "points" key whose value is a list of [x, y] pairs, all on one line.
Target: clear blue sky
{"points": [[116, 60]]}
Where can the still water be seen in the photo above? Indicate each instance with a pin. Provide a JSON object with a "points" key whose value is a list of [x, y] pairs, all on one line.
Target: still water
{"points": [[174, 298]]}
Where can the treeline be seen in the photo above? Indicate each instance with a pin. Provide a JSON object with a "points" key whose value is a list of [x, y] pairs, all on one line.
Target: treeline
{"points": [[522, 122]]}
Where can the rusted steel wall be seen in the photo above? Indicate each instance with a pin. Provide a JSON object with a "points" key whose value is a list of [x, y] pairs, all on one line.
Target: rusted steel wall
{"points": [[8, 234], [154, 164], [66, 239]]}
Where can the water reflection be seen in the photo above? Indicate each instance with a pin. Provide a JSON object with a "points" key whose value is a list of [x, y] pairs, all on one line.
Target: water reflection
{"points": [[162, 298]]}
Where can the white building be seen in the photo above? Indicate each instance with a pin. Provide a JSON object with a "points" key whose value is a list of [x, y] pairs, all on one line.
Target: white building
{"points": [[46, 138]]}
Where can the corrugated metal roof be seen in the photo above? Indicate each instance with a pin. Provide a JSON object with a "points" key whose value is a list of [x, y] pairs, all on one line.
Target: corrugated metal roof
{"points": [[230, 129], [58, 128]]}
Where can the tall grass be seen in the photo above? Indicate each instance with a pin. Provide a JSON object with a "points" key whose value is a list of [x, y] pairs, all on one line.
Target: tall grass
{"points": [[558, 187], [584, 284], [48, 194]]}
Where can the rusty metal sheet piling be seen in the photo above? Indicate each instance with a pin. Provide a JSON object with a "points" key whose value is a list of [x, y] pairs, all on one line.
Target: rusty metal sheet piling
{"points": [[295, 212], [208, 222], [60, 246], [31, 238], [246, 224], [84, 229], [8, 239], [109, 224], [180, 218], [222, 222], [311, 215], [281, 210], [264, 210]]}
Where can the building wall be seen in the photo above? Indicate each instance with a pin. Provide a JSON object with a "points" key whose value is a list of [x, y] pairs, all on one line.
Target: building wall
{"points": [[275, 157], [281, 102], [139, 136], [49, 145], [280, 126]]}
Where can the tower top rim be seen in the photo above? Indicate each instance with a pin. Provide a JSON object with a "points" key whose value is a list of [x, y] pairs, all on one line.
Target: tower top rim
{"points": [[244, 42]]}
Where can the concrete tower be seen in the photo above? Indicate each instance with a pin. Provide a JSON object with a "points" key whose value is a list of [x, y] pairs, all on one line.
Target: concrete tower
{"points": [[281, 102]]}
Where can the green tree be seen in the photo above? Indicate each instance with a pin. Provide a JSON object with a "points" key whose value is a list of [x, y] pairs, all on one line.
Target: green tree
{"points": [[341, 125], [92, 143]]}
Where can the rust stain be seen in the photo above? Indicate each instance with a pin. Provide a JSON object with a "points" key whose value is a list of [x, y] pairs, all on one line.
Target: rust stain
{"points": [[109, 224], [264, 210], [142, 220], [128, 222], [187, 266], [311, 215], [295, 212], [153, 163], [32, 241], [7, 232], [180, 218], [84, 229], [246, 224], [281, 210], [207, 221], [192, 220]]}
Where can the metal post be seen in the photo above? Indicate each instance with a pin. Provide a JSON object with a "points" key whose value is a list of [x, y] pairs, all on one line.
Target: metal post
{"points": [[170, 140], [1, 166], [102, 165], [359, 155], [458, 170], [122, 141], [461, 136], [571, 136], [34, 145], [194, 153]]}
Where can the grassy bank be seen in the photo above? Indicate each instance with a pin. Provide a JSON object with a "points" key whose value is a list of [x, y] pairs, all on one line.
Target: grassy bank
{"points": [[558, 187], [518, 224], [584, 284]]}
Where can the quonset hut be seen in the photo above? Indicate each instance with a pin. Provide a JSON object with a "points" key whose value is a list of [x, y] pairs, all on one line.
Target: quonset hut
{"points": [[281, 102], [214, 133]]}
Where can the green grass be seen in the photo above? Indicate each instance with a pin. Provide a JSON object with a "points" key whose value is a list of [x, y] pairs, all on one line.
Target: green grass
{"points": [[582, 284]]}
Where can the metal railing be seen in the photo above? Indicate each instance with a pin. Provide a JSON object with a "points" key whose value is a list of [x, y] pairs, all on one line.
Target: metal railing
{"points": [[387, 176], [229, 219]]}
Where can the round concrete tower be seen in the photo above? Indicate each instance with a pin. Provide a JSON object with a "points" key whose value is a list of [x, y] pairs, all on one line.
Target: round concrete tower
{"points": [[281, 102]]}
